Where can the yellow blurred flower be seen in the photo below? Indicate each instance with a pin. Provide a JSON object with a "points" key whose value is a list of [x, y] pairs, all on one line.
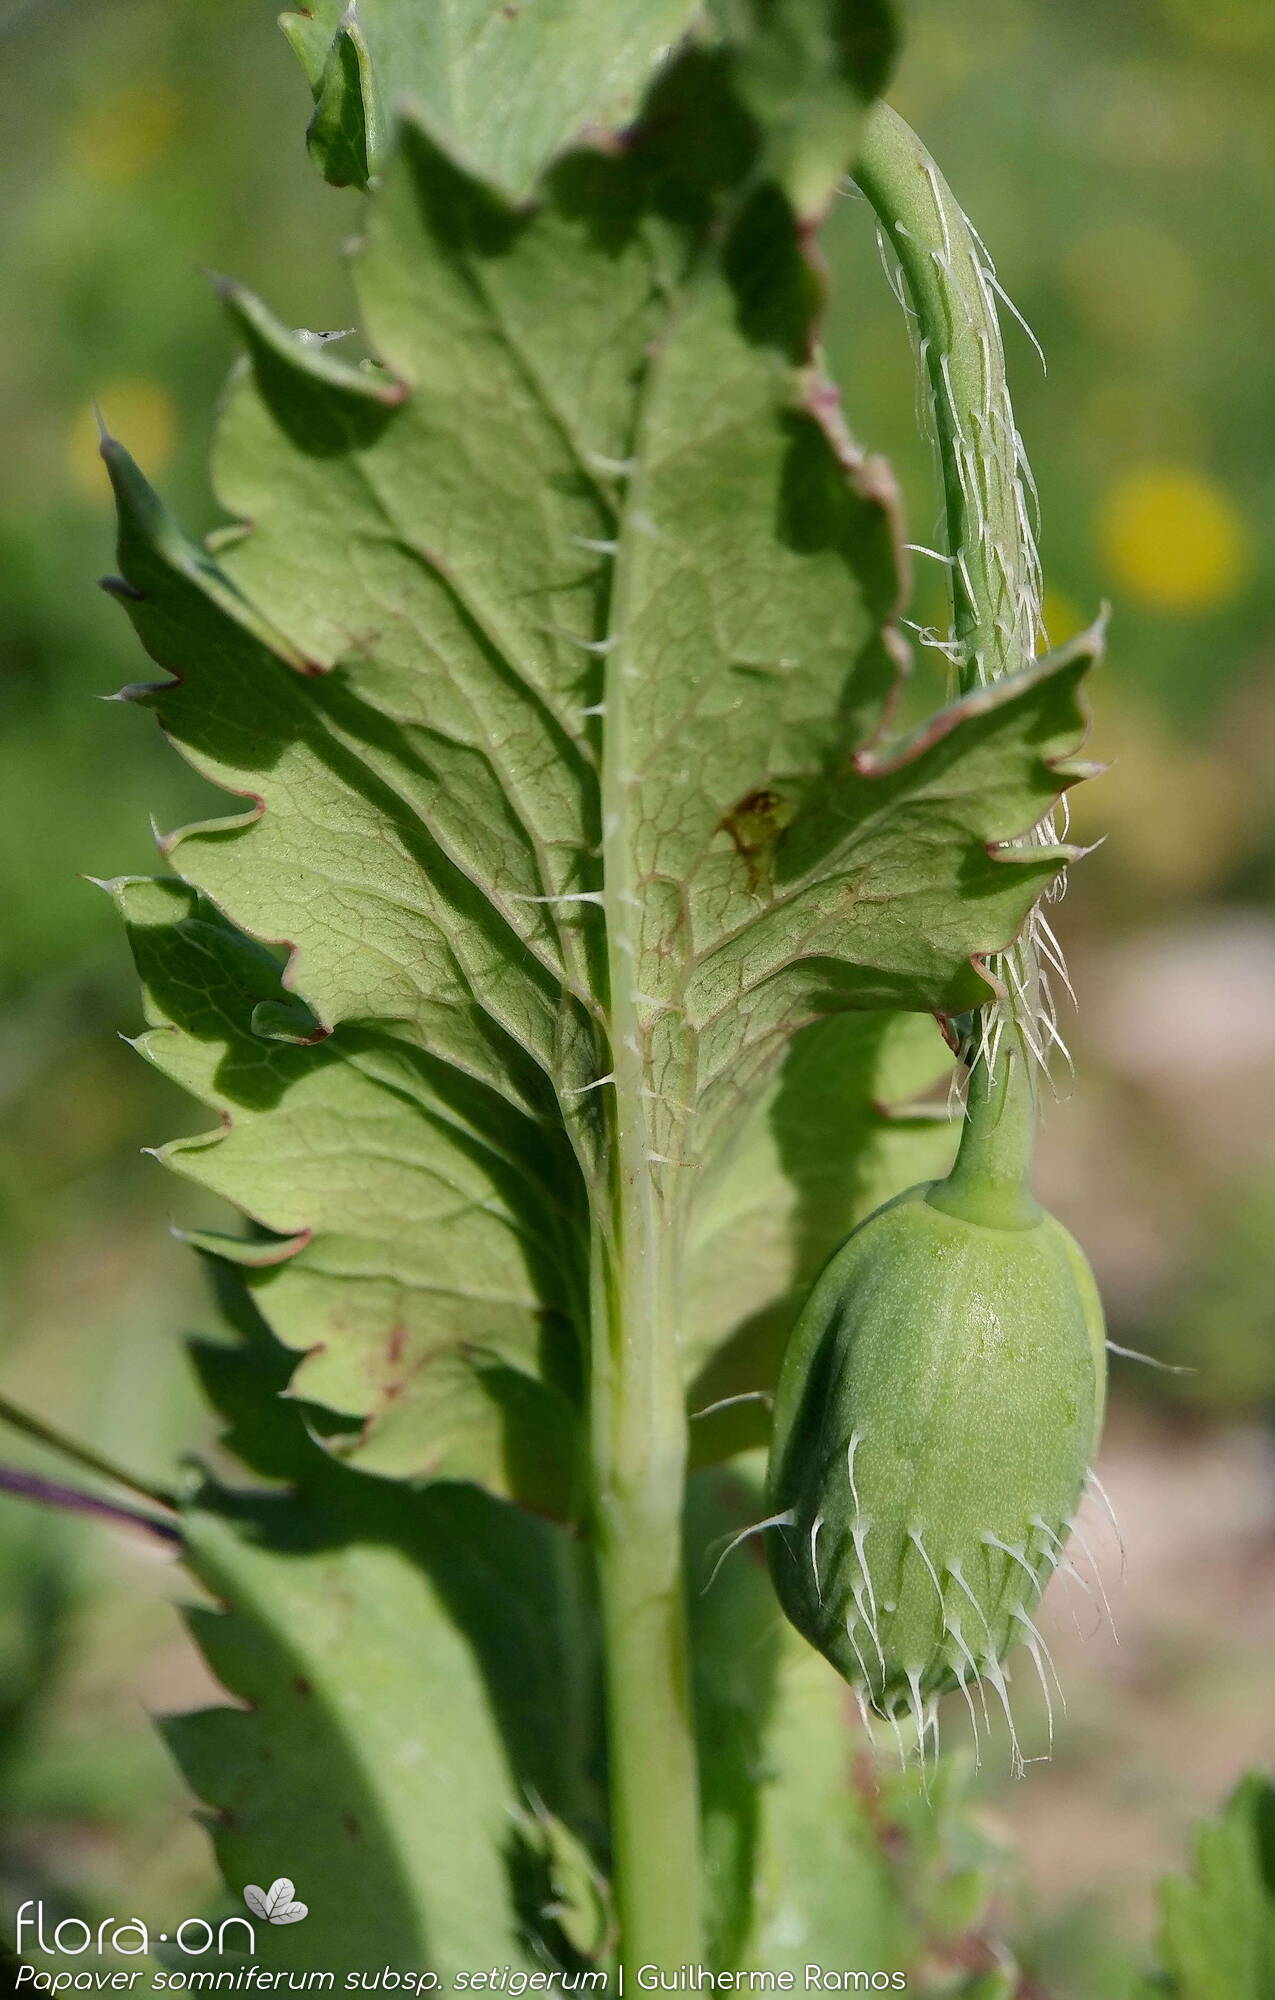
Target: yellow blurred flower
{"points": [[124, 132], [137, 411], [1170, 536]]}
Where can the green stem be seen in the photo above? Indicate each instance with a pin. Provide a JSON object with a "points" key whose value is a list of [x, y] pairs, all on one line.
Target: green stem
{"points": [[35, 1427], [994, 572], [638, 1424], [50, 1493], [991, 1180], [639, 1460]]}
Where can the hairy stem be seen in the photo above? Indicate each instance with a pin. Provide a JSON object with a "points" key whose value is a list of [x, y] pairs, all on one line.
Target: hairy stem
{"points": [[949, 283], [638, 1425], [948, 288]]}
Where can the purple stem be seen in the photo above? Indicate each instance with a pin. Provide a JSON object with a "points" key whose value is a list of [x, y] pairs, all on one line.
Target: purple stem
{"points": [[47, 1493]]}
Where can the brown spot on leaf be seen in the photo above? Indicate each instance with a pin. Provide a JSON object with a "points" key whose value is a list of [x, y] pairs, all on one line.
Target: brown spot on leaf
{"points": [[351, 1825], [754, 826], [302, 1686]]}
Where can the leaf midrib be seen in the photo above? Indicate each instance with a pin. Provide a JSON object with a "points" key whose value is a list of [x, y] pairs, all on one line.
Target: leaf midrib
{"points": [[621, 884]]}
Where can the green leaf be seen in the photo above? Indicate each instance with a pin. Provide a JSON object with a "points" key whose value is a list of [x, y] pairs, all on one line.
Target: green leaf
{"points": [[569, 1903], [415, 1671], [404, 1247], [837, 1132], [737, 1641], [808, 70], [344, 134], [547, 652], [503, 87], [1217, 1926], [506, 88], [399, 1666]]}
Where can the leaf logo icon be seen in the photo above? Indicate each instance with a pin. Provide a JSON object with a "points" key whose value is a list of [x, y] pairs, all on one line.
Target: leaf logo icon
{"points": [[276, 1903]]}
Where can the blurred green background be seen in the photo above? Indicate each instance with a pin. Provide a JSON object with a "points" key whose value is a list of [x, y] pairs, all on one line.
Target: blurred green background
{"points": [[1115, 156]]}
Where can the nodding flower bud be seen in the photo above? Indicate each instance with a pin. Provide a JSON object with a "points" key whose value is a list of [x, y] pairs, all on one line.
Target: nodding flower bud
{"points": [[939, 1405]]}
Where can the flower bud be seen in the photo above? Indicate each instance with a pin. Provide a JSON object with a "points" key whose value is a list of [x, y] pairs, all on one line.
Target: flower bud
{"points": [[938, 1408]]}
